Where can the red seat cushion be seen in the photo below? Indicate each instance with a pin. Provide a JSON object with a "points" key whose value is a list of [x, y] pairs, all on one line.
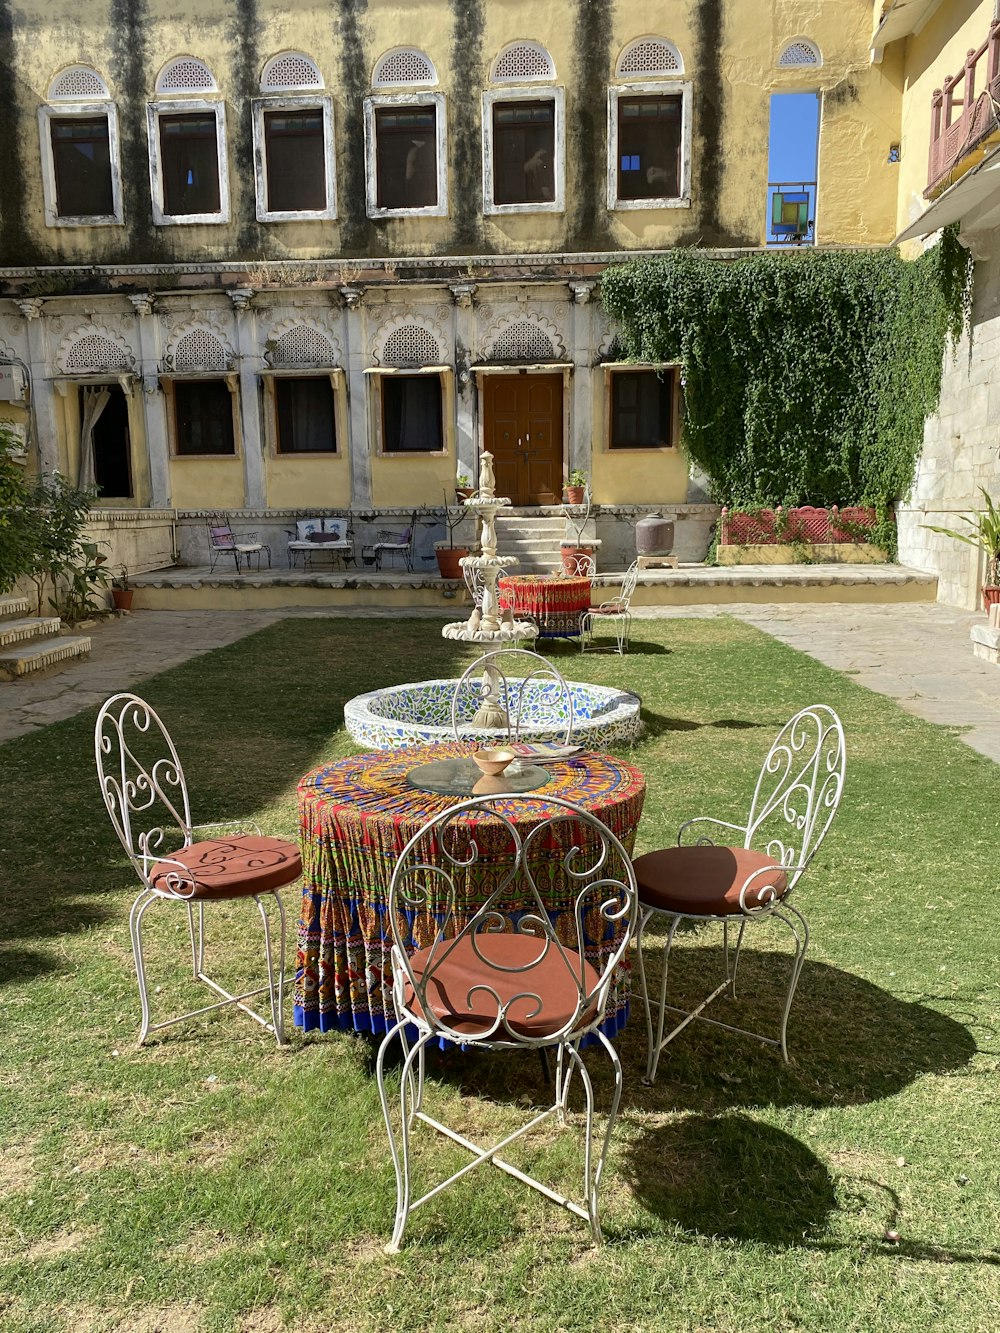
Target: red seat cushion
{"points": [[706, 881], [231, 867], [549, 978]]}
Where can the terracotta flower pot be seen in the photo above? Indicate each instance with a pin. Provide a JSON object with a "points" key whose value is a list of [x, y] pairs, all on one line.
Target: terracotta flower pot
{"points": [[122, 598], [991, 595], [448, 558], [575, 494], [464, 492], [570, 558]]}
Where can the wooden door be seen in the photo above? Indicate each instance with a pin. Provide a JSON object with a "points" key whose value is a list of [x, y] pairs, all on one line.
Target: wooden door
{"points": [[523, 430]]}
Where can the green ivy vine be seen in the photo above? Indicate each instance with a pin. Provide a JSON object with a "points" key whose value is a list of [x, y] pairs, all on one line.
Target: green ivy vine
{"points": [[808, 375]]}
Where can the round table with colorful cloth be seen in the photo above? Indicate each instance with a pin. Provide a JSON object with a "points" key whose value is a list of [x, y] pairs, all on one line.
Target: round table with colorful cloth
{"points": [[356, 816], [554, 601]]}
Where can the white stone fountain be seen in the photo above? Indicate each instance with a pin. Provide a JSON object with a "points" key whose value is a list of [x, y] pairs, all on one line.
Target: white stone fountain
{"points": [[487, 624]]}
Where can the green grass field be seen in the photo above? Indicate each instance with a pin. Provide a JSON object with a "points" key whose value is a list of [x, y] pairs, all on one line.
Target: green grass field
{"points": [[211, 1181]]}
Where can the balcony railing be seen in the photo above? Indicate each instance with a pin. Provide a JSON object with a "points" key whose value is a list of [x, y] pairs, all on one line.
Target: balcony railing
{"points": [[791, 213], [964, 110]]}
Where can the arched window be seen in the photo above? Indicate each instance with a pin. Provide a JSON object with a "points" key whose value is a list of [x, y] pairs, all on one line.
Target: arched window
{"points": [[800, 54], [185, 74], [78, 131], [405, 138], [524, 153], [404, 67], [293, 142], [290, 72], [522, 62], [76, 83], [188, 163], [649, 57], [649, 128]]}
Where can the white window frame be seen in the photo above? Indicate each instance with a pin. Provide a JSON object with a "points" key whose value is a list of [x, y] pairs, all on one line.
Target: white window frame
{"points": [[445, 376], [85, 111], [373, 102], [178, 106], [661, 88], [302, 102], [529, 92]]}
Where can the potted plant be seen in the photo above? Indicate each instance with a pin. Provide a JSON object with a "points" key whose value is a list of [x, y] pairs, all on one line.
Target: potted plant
{"points": [[464, 489], [576, 487], [984, 534], [577, 552], [122, 591], [448, 554]]}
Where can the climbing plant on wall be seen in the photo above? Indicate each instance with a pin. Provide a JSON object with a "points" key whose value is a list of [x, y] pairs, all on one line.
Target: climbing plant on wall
{"points": [[808, 375]]}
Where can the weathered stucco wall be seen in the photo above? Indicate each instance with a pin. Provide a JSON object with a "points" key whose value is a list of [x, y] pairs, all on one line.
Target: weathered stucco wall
{"points": [[960, 453]]}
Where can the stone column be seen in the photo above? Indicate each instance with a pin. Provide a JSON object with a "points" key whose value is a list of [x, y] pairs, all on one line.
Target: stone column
{"points": [[154, 404], [462, 293], [43, 402], [355, 361], [582, 414], [247, 357]]}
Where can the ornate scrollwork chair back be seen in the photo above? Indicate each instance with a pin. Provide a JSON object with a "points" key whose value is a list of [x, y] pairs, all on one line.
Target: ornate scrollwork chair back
{"points": [[540, 697], [503, 974], [145, 793], [580, 565], [741, 874]]}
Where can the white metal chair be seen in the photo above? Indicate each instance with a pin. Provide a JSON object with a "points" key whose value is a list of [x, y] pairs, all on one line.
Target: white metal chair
{"points": [[392, 545], [796, 797], [146, 795], [507, 702], [615, 613], [579, 565], [241, 546], [505, 978]]}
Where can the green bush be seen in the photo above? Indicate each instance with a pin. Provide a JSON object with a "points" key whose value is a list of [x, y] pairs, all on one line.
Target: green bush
{"points": [[807, 375], [16, 553]]}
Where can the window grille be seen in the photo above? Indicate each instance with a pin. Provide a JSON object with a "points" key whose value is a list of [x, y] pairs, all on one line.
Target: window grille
{"points": [[93, 352], [290, 71], [403, 67], [186, 75], [200, 350], [78, 82], [650, 55], [411, 345], [303, 346], [523, 341], [523, 60], [800, 55]]}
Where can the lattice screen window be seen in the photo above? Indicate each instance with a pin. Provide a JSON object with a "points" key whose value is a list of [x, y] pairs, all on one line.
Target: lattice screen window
{"points": [[186, 75], [80, 81], [411, 345], [290, 72], [93, 352], [650, 55], [404, 68], [523, 341], [303, 346], [800, 55], [200, 350], [523, 60]]}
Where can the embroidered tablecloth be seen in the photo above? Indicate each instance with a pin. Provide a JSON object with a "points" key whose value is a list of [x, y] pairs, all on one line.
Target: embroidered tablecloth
{"points": [[556, 603], [356, 815]]}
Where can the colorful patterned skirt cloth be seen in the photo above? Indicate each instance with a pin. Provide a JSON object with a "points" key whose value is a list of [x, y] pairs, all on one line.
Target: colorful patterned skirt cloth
{"points": [[356, 816], [555, 603]]}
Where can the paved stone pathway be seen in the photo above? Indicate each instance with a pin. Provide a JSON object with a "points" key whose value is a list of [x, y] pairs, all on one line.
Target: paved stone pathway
{"points": [[918, 654]]}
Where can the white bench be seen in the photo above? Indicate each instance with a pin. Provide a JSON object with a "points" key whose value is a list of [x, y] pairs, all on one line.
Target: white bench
{"points": [[321, 536]]}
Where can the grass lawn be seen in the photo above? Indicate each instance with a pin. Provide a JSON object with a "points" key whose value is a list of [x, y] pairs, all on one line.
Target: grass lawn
{"points": [[210, 1181]]}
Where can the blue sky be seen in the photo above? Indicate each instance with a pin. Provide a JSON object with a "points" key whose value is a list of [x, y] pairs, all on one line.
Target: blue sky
{"points": [[794, 130]]}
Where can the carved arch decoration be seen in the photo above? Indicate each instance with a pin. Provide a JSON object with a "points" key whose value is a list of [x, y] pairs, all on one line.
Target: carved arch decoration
{"points": [[404, 67], [77, 83], [649, 57], [299, 342], [800, 54], [194, 346], [523, 62], [524, 338], [409, 340], [186, 74], [290, 71], [91, 349]]}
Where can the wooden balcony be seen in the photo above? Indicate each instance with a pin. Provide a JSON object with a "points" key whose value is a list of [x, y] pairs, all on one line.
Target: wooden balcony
{"points": [[964, 114]]}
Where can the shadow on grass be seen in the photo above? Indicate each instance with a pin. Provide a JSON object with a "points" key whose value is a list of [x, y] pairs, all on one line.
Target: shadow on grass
{"points": [[731, 1177], [657, 724]]}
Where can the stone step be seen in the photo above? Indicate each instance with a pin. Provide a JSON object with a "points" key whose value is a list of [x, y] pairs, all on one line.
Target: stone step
{"points": [[13, 606], [545, 527], [21, 631], [37, 656]]}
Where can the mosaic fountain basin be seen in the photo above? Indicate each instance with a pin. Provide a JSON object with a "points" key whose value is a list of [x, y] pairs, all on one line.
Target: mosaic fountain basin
{"points": [[420, 714]]}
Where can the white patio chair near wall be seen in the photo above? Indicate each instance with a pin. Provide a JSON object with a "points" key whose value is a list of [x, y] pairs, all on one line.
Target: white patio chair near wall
{"points": [[242, 546], [146, 795], [541, 696], [392, 545], [614, 614], [505, 979], [750, 881]]}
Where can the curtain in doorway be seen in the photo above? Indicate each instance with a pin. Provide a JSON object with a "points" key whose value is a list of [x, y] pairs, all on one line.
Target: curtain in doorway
{"points": [[94, 403]]}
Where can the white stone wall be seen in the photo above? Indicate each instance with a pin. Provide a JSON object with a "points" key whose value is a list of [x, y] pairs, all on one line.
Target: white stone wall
{"points": [[960, 452]]}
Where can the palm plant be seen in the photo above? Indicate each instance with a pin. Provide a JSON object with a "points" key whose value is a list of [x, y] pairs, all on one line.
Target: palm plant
{"points": [[983, 533]]}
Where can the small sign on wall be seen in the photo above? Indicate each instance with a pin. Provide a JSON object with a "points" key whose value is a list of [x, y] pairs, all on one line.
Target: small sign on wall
{"points": [[11, 384]]}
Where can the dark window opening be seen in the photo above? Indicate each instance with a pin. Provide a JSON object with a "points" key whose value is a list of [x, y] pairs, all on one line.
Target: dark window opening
{"points": [[306, 421], [189, 164], [412, 420], [203, 412], [81, 156], [110, 441], [296, 163], [524, 141], [406, 157], [649, 147], [642, 409]]}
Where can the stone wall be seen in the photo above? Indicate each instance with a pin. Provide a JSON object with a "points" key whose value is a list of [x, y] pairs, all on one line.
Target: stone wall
{"points": [[960, 452]]}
